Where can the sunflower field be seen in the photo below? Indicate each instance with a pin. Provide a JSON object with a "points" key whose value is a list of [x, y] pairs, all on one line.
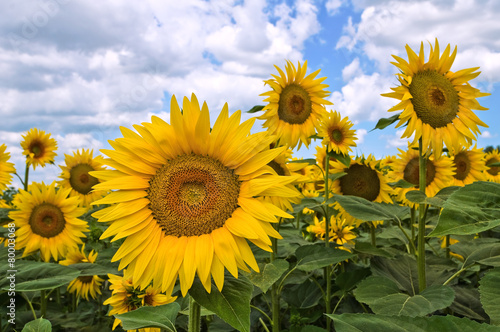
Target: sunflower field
{"points": [[193, 225]]}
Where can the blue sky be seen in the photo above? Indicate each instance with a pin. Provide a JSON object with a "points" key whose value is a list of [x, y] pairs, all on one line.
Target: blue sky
{"points": [[80, 69]]}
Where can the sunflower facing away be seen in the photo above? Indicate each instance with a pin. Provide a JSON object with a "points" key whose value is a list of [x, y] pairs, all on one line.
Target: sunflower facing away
{"points": [[194, 193], [295, 104], [38, 148], [125, 297], [337, 133], [469, 166], [75, 175], [6, 168], [437, 103], [48, 221], [492, 172], [362, 179], [439, 173], [84, 285]]}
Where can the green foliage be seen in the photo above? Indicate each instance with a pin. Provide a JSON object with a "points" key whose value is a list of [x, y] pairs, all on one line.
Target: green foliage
{"points": [[255, 109], [160, 316], [490, 292], [385, 122], [38, 325], [316, 256], [365, 210], [469, 210], [270, 274]]}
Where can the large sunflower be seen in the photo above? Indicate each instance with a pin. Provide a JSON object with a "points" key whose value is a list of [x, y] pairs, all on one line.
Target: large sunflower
{"points": [[6, 168], [194, 193], [362, 179], [469, 166], [75, 175], [337, 133], [439, 173], [85, 285], [125, 297], [492, 172], [47, 220], [38, 148], [437, 103], [295, 104]]}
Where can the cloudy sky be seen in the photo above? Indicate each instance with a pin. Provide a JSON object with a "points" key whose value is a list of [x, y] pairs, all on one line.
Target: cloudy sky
{"points": [[80, 69]]}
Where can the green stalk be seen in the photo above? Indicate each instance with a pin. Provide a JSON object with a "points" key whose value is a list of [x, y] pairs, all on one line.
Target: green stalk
{"points": [[275, 299], [43, 303], [194, 324], [412, 222], [447, 246], [327, 269], [26, 174], [421, 220], [372, 234]]}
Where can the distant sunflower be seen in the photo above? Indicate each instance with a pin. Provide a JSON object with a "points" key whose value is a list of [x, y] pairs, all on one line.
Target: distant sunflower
{"points": [[437, 103], [337, 133], [320, 158], [75, 175], [6, 168], [48, 221], [340, 231], [84, 285], [469, 166], [362, 179], [195, 193], [492, 172], [295, 104], [439, 173], [125, 297], [38, 148]]}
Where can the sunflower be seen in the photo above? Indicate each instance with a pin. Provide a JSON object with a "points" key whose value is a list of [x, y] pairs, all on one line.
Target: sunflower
{"points": [[362, 179], [492, 172], [320, 158], [437, 103], [439, 173], [47, 220], [295, 104], [337, 133], [340, 231], [452, 241], [6, 168], [85, 285], [38, 148], [125, 297], [469, 166], [194, 193], [75, 175]]}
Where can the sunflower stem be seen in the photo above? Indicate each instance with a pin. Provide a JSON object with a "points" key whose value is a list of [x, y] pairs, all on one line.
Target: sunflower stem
{"points": [[421, 219], [26, 174], [327, 269], [372, 234], [412, 227], [43, 303], [447, 246], [275, 298], [29, 304], [194, 316]]}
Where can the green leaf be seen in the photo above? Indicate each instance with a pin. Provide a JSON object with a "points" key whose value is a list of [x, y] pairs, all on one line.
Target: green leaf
{"points": [[346, 281], [162, 316], [401, 184], [91, 269], [469, 210], [345, 159], [489, 289], [382, 323], [419, 197], [303, 296], [310, 161], [38, 325], [384, 122], [316, 256], [255, 109], [484, 251], [363, 209], [34, 276], [269, 275], [384, 297], [367, 249], [232, 304], [335, 176], [467, 303]]}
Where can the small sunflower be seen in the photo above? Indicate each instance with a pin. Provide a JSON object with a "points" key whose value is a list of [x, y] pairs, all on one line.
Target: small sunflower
{"points": [[492, 172], [469, 166], [85, 285], [362, 179], [437, 103], [340, 231], [295, 104], [38, 148], [125, 297], [75, 175], [47, 220], [452, 241], [439, 173], [337, 133], [6, 168], [320, 158], [194, 192]]}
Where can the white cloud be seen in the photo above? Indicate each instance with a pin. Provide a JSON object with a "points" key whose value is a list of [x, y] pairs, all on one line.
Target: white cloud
{"points": [[360, 134], [333, 6], [351, 70], [487, 134]]}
